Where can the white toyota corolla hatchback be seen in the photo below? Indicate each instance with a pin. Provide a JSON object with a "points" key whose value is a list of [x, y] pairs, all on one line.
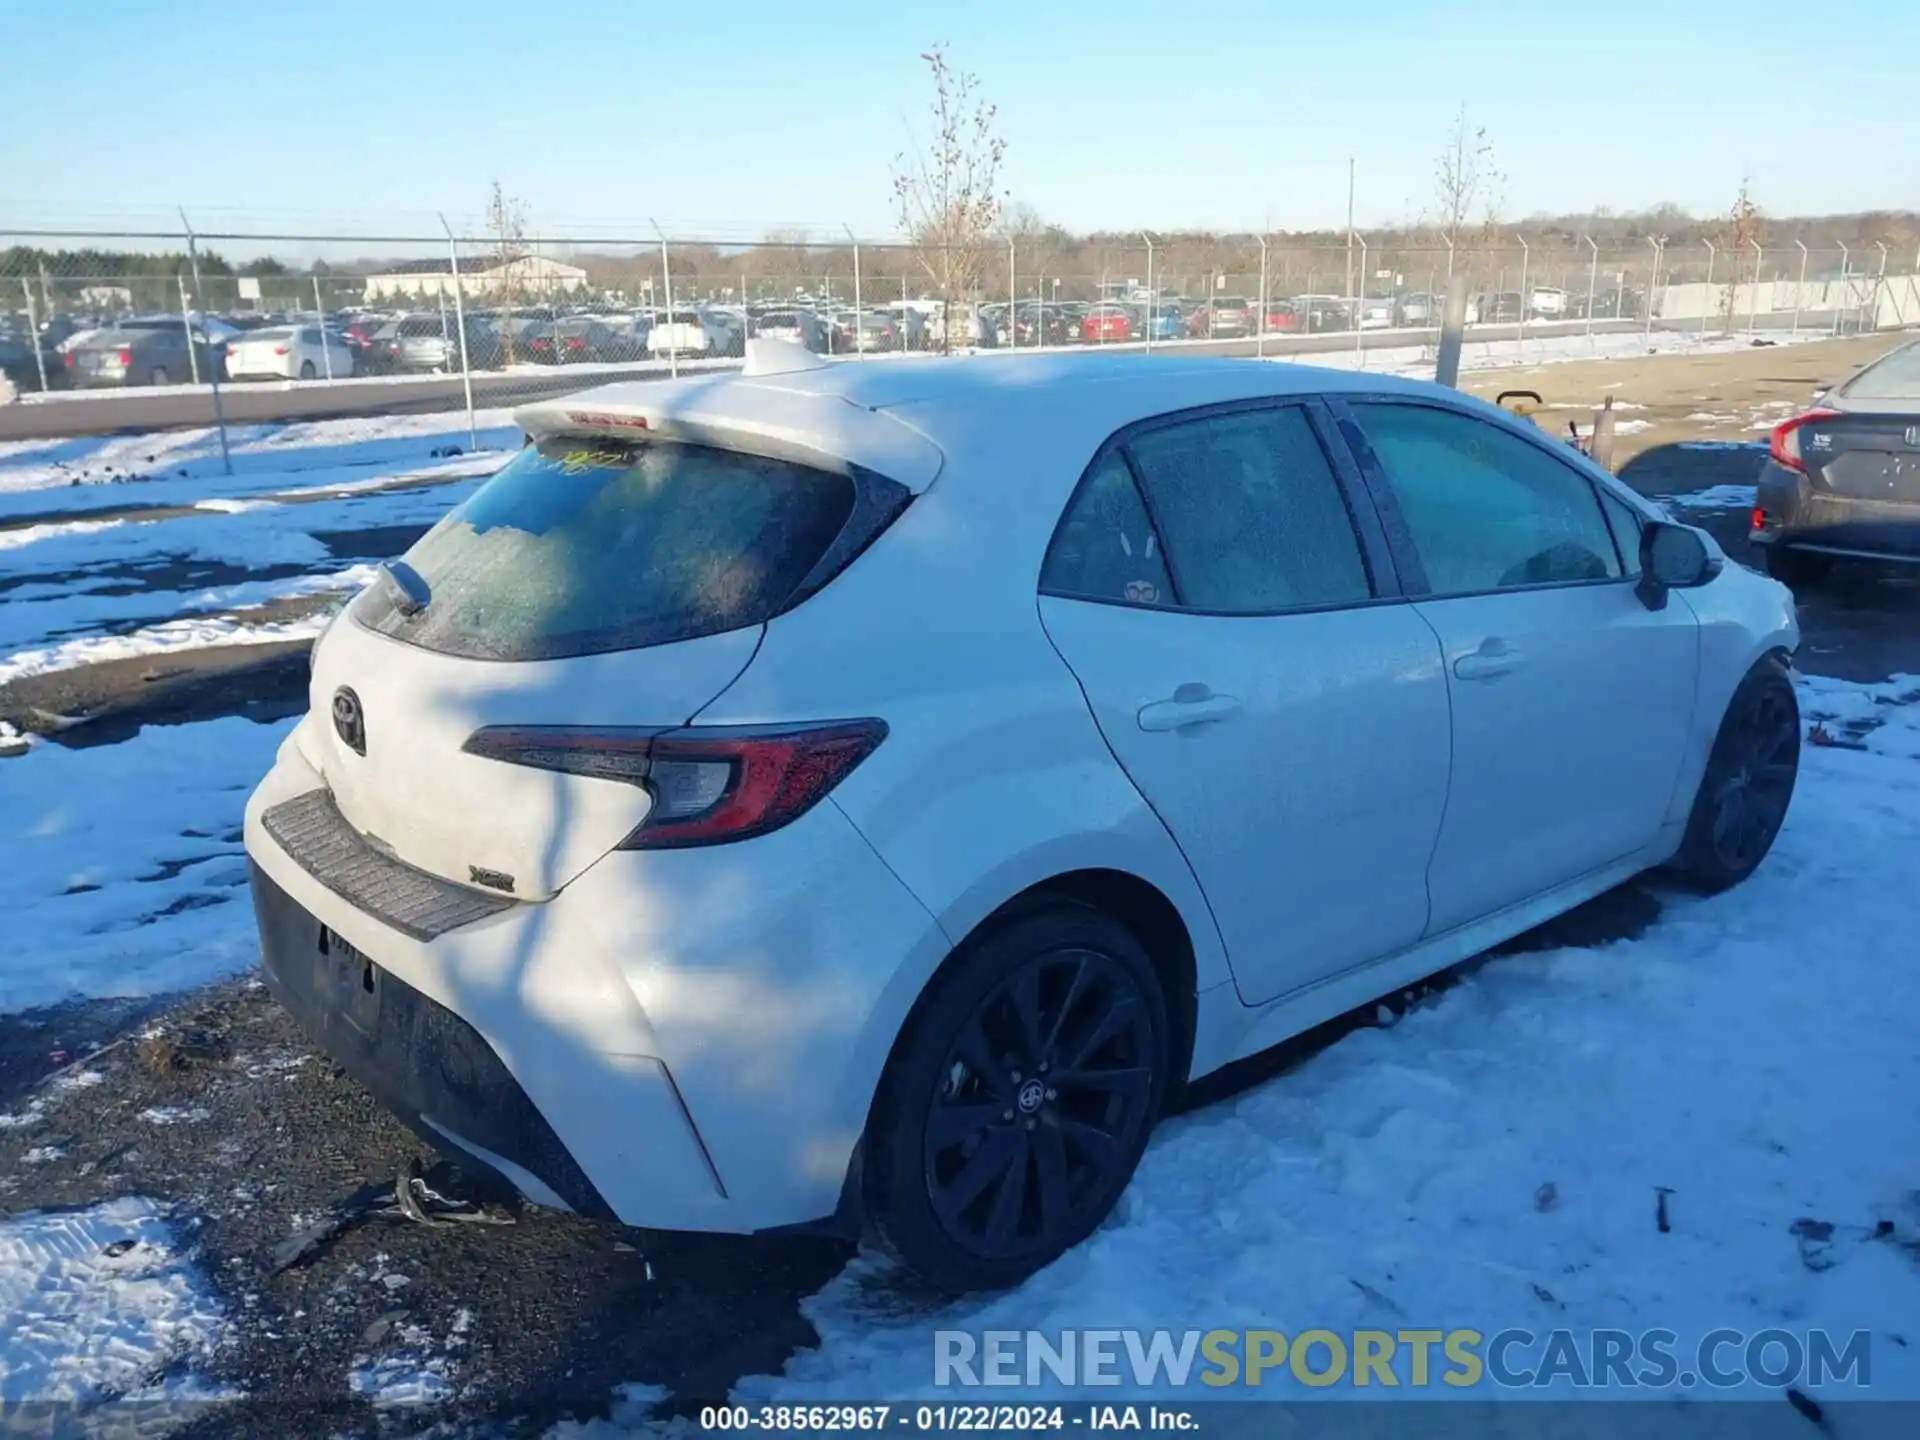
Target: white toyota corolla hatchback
{"points": [[862, 795]]}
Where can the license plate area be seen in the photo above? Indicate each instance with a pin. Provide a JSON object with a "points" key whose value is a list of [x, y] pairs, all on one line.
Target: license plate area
{"points": [[349, 981]]}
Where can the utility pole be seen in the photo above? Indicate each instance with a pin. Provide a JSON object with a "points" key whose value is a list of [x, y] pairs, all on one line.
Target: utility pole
{"points": [[1349, 290]]}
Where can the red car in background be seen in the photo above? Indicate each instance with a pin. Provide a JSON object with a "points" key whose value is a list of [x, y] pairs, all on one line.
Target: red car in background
{"points": [[1106, 324], [1282, 318]]}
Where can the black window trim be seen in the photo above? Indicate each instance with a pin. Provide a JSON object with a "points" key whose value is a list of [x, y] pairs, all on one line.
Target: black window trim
{"points": [[1400, 538], [1376, 559]]}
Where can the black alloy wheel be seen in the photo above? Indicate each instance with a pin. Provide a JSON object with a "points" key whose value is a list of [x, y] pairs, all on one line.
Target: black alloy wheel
{"points": [[1748, 784], [1020, 1100]]}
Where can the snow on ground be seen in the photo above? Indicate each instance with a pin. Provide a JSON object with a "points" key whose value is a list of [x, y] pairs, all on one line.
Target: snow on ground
{"points": [[1714, 497], [155, 462], [124, 873], [1416, 361], [101, 1304], [1747, 1054]]}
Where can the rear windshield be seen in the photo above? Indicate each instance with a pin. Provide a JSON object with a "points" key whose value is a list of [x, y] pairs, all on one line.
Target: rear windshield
{"points": [[583, 546], [271, 335], [1896, 377]]}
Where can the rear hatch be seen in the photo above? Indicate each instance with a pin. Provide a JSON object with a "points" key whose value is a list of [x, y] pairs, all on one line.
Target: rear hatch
{"points": [[592, 583], [1861, 455]]}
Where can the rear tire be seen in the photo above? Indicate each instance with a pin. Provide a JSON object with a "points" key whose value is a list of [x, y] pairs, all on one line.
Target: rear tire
{"points": [[1018, 1099], [1798, 569], [1748, 784], [159, 376], [306, 370]]}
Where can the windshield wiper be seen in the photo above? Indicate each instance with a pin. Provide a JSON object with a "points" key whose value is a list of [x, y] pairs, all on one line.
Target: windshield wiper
{"points": [[411, 591]]}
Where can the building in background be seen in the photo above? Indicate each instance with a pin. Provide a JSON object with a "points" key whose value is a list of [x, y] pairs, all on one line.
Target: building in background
{"points": [[522, 277]]}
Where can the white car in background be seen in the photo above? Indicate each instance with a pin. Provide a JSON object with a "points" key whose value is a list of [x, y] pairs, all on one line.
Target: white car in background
{"points": [[750, 810], [1547, 303], [699, 332], [293, 352]]}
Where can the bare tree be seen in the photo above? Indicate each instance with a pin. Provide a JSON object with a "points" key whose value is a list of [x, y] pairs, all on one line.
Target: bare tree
{"points": [[1467, 182], [507, 230], [946, 191], [1740, 232]]}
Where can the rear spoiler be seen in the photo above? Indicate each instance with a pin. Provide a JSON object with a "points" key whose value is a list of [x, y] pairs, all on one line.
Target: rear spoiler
{"points": [[822, 430]]}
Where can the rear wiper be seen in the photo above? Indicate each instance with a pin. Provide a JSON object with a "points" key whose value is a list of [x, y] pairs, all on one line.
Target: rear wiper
{"points": [[411, 592]]}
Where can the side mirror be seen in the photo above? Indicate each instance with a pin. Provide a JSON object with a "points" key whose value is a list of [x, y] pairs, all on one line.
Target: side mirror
{"points": [[1672, 557]]}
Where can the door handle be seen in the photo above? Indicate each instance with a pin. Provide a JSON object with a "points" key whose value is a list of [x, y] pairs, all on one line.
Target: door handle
{"points": [[1489, 661], [1178, 713]]}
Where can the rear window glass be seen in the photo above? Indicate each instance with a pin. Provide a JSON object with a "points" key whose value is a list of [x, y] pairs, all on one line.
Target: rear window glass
{"points": [[580, 547], [1896, 377], [271, 335], [415, 328]]}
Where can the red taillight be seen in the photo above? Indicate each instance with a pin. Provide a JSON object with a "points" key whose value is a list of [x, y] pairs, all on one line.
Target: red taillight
{"points": [[126, 357], [576, 342], [1759, 518], [1784, 444], [710, 784], [279, 349]]}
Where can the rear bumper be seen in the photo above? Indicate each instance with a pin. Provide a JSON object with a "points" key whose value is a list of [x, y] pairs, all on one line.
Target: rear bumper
{"points": [[1795, 515], [681, 1039], [418, 1058]]}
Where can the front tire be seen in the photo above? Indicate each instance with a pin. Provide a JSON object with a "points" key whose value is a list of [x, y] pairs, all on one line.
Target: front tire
{"points": [[1018, 1100], [1748, 785]]}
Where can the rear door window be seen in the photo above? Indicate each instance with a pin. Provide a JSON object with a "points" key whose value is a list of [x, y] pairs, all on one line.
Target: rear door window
{"points": [[579, 547], [1251, 513]]}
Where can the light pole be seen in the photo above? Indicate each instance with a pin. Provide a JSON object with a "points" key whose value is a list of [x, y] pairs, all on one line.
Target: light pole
{"points": [[1593, 277]]}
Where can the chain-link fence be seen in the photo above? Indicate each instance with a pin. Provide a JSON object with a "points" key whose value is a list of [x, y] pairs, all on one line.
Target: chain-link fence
{"points": [[102, 331]]}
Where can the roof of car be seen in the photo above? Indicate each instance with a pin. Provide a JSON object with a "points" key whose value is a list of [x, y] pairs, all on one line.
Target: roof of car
{"points": [[902, 417]]}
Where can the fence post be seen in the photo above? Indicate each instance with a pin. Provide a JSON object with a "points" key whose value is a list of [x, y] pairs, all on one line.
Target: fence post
{"points": [[1846, 285], [320, 310], [859, 334], [1653, 283], [459, 319], [1800, 287], [1260, 343], [1879, 283], [666, 281], [1150, 290], [1013, 301], [33, 334], [1593, 279], [186, 319], [1360, 300], [1526, 295], [219, 415], [1753, 300], [1707, 303]]}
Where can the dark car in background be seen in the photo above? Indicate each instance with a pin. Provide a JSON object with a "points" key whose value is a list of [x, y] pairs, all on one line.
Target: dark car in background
{"points": [[1842, 482], [145, 351], [28, 371]]}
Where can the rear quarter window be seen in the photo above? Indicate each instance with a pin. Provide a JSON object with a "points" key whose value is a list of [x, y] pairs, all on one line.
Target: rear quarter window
{"points": [[580, 547]]}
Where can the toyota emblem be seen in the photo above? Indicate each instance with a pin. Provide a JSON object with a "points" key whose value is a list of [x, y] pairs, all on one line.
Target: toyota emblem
{"points": [[349, 720]]}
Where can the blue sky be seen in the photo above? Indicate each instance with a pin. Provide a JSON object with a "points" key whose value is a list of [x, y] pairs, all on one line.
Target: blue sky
{"points": [[729, 119]]}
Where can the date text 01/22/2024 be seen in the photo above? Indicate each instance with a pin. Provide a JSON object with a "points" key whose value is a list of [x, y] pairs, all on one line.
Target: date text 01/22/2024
{"points": [[961, 1418]]}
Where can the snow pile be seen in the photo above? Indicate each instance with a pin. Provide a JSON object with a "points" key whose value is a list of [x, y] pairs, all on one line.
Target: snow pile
{"points": [[100, 1305], [418, 1371], [1747, 1060], [124, 871]]}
